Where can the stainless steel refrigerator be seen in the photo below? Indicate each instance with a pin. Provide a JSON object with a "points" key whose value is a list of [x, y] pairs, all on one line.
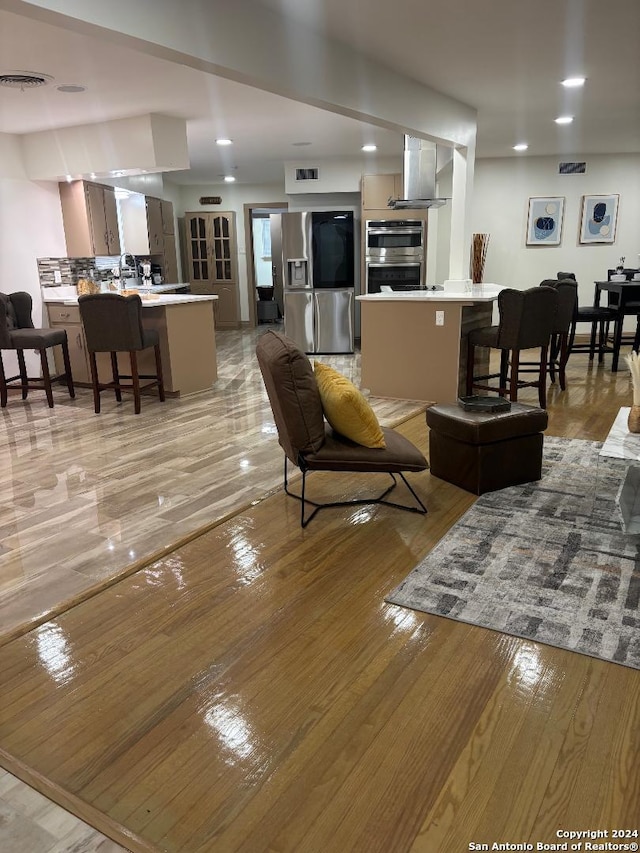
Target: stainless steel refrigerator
{"points": [[313, 276]]}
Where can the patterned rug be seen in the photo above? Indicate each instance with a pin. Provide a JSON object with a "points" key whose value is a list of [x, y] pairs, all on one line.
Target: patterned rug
{"points": [[547, 561]]}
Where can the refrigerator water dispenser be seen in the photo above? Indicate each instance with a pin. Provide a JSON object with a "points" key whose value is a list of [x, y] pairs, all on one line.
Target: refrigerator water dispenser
{"points": [[298, 272]]}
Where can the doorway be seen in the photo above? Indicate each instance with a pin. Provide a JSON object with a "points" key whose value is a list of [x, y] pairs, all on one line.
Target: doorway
{"points": [[258, 253]]}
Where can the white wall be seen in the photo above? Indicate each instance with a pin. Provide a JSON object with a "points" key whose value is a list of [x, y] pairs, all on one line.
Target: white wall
{"points": [[30, 228], [500, 208], [338, 176]]}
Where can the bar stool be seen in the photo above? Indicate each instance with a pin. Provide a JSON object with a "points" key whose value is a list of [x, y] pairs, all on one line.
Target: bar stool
{"points": [[567, 291], [113, 324], [526, 320], [18, 333]]}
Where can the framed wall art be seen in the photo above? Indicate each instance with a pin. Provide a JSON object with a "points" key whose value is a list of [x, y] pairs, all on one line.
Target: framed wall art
{"points": [[544, 225], [599, 218]]}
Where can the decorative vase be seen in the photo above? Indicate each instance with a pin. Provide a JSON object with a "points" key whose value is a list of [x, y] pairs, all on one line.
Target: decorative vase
{"points": [[633, 422]]}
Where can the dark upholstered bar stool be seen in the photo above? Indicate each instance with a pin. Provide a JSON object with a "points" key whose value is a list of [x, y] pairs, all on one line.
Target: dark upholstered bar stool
{"points": [[567, 291], [113, 324], [18, 333], [526, 322]]}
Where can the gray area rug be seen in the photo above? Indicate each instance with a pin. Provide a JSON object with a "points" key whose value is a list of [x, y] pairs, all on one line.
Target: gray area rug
{"points": [[547, 561]]}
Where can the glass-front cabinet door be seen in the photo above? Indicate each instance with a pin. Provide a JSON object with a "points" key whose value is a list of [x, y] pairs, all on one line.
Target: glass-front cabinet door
{"points": [[223, 244], [197, 240]]}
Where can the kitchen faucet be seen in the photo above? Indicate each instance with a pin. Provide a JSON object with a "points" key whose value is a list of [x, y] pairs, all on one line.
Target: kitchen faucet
{"points": [[126, 263]]}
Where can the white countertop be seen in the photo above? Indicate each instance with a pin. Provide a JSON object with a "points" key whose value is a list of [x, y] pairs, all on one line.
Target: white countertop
{"points": [[478, 293], [68, 296]]}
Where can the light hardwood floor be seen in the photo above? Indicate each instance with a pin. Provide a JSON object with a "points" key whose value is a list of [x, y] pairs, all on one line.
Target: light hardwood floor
{"points": [[251, 691]]}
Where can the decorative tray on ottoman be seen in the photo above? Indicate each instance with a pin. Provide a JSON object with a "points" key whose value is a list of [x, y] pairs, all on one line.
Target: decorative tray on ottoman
{"points": [[484, 404]]}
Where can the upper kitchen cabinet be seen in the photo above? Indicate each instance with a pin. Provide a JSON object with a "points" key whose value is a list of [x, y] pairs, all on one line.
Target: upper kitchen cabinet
{"points": [[90, 219], [378, 189], [155, 226], [162, 239], [168, 224], [210, 240]]}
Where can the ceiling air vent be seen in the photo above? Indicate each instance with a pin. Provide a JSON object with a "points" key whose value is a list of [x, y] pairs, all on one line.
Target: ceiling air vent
{"points": [[572, 168], [310, 174], [24, 79]]}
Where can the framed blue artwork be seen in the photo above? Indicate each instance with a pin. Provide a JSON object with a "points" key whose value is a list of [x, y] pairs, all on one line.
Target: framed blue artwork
{"points": [[544, 225], [599, 218]]}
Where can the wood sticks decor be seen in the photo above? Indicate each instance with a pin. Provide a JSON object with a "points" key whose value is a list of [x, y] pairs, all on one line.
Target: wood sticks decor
{"points": [[479, 245]]}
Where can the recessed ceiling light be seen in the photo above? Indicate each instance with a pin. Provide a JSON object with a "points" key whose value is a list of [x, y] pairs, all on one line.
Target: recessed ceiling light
{"points": [[71, 88], [369, 147], [229, 179], [564, 120], [521, 146], [573, 82], [224, 142], [69, 179]]}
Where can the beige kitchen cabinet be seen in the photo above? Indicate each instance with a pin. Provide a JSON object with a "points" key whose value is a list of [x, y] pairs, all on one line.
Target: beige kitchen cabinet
{"points": [[168, 225], [154, 226], [170, 260], [162, 240], [378, 189], [68, 318], [90, 219], [226, 309], [210, 240]]}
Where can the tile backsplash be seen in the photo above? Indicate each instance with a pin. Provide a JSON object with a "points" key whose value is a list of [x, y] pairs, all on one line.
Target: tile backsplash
{"points": [[71, 269]]}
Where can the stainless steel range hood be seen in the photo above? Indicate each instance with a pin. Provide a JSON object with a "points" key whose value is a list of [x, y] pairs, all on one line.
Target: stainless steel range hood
{"points": [[418, 176]]}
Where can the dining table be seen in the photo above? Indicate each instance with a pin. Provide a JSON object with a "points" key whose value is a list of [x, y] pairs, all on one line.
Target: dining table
{"points": [[624, 297]]}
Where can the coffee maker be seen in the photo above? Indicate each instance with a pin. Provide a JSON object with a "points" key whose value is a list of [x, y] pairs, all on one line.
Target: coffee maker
{"points": [[145, 272]]}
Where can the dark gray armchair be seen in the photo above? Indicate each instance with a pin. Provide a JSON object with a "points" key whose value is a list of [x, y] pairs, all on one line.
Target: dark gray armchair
{"points": [[18, 333]]}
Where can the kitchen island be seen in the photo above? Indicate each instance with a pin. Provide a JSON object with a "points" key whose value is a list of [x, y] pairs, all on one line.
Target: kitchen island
{"points": [[185, 323], [414, 343]]}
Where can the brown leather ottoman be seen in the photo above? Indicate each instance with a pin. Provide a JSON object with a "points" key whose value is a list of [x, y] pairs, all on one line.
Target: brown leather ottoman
{"points": [[485, 451]]}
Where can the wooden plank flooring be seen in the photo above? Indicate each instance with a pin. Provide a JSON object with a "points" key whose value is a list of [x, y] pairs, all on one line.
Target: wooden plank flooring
{"points": [[251, 691]]}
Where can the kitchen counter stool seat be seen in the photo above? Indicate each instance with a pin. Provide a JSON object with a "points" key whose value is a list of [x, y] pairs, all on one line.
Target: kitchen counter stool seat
{"points": [[113, 324], [18, 333], [526, 321]]}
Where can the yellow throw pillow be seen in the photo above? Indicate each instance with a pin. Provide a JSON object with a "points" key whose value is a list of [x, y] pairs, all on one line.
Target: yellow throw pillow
{"points": [[346, 409]]}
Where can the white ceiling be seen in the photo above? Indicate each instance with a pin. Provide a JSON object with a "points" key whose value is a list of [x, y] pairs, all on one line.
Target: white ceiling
{"points": [[504, 57]]}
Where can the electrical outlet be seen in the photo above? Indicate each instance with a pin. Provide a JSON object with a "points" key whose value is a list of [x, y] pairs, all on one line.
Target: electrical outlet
{"points": [[57, 277], [439, 318]]}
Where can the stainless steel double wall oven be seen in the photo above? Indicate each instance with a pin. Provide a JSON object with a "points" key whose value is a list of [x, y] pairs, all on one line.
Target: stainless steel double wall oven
{"points": [[395, 254]]}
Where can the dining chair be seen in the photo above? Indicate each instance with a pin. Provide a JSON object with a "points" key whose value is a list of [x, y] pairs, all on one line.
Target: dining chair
{"points": [[599, 317], [113, 323], [17, 333], [526, 321]]}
